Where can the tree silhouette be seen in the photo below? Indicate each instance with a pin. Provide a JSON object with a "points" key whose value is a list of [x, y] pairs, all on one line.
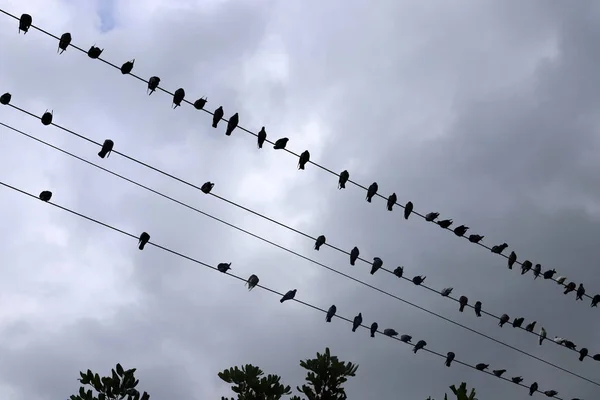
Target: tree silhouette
{"points": [[120, 385]]}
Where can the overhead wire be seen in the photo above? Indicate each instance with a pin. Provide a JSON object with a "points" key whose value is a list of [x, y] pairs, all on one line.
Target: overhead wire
{"points": [[266, 288], [284, 149], [181, 203]]}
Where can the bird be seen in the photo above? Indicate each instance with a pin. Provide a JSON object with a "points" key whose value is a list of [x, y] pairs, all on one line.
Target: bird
{"points": [[461, 230], [127, 67], [430, 217], [391, 201], [330, 313], [417, 280], [477, 308], [550, 393], [561, 279], [498, 372], [516, 379], [46, 195], [420, 344], [320, 242], [107, 147], [526, 266], [377, 263], [498, 249], [405, 338], [517, 322], [580, 292], [374, 327], [533, 388], [232, 124], [144, 238], [559, 340], [542, 335], [446, 292], [224, 267], [445, 223], [288, 296], [512, 259], [463, 301], [25, 23], [408, 208], [583, 353], [399, 271], [153, 83], [64, 42], [475, 238], [304, 158], [94, 52], [207, 187], [280, 143], [5, 99], [372, 191], [595, 300], [218, 114], [570, 345], [482, 366], [357, 322], [252, 282], [549, 274], [536, 271], [503, 319], [354, 253], [200, 103], [530, 327], [449, 357], [596, 357], [570, 287], [261, 137], [390, 332], [344, 176], [47, 117]]}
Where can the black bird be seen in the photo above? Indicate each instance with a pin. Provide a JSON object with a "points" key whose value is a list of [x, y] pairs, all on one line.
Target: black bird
{"points": [[449, 357], [420, 344], [516, 379], [288, 296], [580, 292], [5, 99], [280, 143], [390, 332], [475, 238], [549, 274], [107, 147], [372, 191], [512, 258], [570, 287], [570, 345], [530, 327], [446, 292], [304, 158], [503, 319], [262, 136], [461, 230], [536, 271], [391, 201], [481, 367], [144, 238], [408, 208], [320, 242], [498, 372], [596, 357], [517, 322], [374, 327], [430, 217], [47, 117], [477, 308], [46, 195], [499, 248], [330, 313], [399, 271], [354, 255], [417, 280], [252, 282], [583, 353], [64, 42], [550, 393], [405, 338], [463, 301], [153, 83], [232, 124], [25, 23], [357, 322], [377, 263], [127, 67], [224, 267], [526, 266], [178, 97], [94, 52], [595, 300], [200, 103], [344, 176], [207, 187], [445, 223], [218, 114]]}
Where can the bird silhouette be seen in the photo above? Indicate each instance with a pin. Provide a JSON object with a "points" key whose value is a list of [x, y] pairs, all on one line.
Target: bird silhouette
{"points": [[64, 42], [107, 147], [94, 52], [153, 83], [224, 267], [391, 201], [372, 191], [377, 263], [252, 282], [344, 176], [261, 137], [232, 124], [127, 67], [46, 195], [207, 187], [288, 296], [330, 313], [303, 159], [25, 23], [280, 143], [178, 97], [144, 238], [354, 253], [217, 116]]}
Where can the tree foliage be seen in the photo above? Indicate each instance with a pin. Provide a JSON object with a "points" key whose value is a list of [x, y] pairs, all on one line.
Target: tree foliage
{"points": [[460, 393], [250, 383], [120, 385]]}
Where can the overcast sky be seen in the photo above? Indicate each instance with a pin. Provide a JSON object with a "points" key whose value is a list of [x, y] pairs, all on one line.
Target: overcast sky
{"points": [[485, 111]]}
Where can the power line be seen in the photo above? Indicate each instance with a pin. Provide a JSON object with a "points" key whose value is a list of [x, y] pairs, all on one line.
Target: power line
{"points": [[293, 252], [268, 289], [285, 149]]}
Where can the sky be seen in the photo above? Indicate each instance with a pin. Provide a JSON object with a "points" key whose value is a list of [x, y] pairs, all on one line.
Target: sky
{"points": [[484, 111]]}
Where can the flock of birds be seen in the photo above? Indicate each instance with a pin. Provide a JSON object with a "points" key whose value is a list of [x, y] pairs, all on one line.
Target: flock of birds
{"points": [[25, 23]]}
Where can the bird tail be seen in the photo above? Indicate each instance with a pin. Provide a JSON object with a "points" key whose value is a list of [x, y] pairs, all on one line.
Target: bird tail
{"points": [[353, 329], [368, 199], [415, 349], [372, 334], [327, 319], [141, 246], [447, 363], [282, 300], [581, 357], [389, 208], [461, 309], [214, 124], [478, 314], [317, 247], [352, 263]]}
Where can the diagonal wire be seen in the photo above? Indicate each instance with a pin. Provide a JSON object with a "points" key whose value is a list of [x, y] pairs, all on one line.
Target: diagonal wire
{"points": [[293, 252], [268, 141], [266, 288]]}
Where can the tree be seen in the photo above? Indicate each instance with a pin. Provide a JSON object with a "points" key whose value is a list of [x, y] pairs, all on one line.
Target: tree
{"points": [[460, 393], [325, 377], [119, 386]]}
